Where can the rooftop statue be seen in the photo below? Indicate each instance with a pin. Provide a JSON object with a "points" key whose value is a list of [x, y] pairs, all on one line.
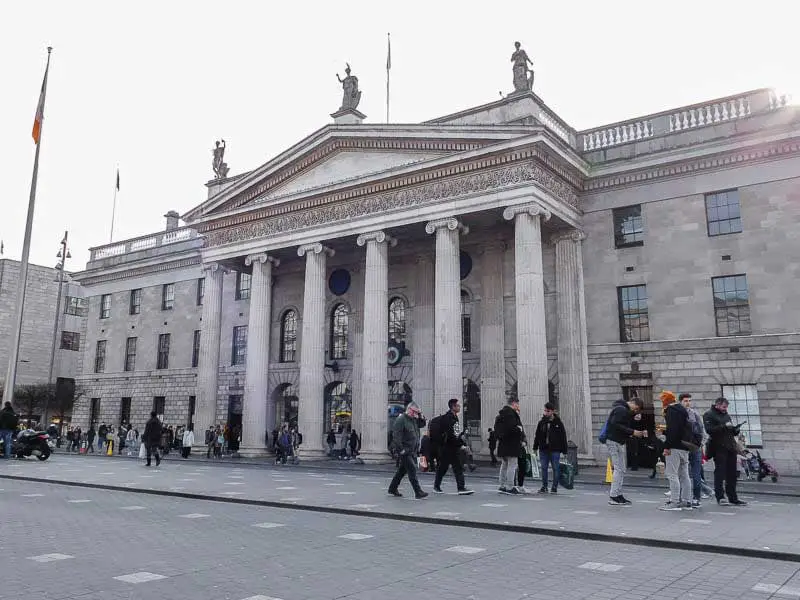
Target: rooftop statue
{"points": [[219, 165], [351, 96], [523, 76]]}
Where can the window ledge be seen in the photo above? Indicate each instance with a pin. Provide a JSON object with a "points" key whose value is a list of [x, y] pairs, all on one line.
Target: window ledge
{"points": [[629, 245]]}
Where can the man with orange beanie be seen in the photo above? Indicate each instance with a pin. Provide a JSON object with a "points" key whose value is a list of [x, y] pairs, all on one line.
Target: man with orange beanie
{"points": [[676, 453]]}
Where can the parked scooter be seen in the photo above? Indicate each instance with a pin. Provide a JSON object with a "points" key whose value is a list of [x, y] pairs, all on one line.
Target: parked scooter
{"points": [[30, 443]]}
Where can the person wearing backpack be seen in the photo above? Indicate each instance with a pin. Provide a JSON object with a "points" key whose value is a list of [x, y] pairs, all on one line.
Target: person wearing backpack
{"points": [[405, 445], [677, 445], [448, 431], [8, 423], [615, 434]]}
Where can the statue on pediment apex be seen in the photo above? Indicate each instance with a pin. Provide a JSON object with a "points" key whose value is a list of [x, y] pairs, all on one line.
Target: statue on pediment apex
{"points": [[218, 164], [351, 95], [523, 76]]}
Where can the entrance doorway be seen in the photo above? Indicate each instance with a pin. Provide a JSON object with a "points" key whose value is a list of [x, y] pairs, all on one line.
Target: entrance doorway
{"points": [[338, 409], [287, 405]]}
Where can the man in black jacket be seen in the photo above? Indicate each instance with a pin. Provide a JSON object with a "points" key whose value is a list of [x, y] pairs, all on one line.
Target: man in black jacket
{"points": [[508, 427], [618, 432], [405, 440], [551, 442], [8, 423], [722, 448], [449, 452], [676, 452], [151, 438]]}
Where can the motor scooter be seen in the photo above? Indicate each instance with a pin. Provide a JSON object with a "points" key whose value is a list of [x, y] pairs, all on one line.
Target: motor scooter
{"points": [[29, 443]]}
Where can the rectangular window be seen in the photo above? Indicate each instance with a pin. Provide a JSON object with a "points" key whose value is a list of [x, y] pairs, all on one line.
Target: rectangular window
{"points": [[94, 411], [130, 354], [722, 213], [75, 306], [159, 403], [135, 306], [628, 226], [70, 340], [124, 410], [100, 357], [162, 361], [192, 404], [743, 406], [201, 290], [239, 350], [168, 296], [242, 285], [731, 305], [105, 306], [634, 323], [196, 348]]}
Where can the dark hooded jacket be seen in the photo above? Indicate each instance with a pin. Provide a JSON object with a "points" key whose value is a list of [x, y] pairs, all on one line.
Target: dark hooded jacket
{"points": [[508, 428], [619, 428], [550, 435]]}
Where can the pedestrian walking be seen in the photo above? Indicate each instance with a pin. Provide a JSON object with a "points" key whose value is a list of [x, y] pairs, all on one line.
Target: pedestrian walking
{"points": [[677, 444], [122, 435], [354, 443], [493, 446], [331, 441], [90, 435], [209, 441], [130, 440], [102, 432], [151, 438], [405, 442], [722, 447], [8, 423], [551, 442], [188, 441], [449, 432], [614, 435], [508, 427], [695, 456]]}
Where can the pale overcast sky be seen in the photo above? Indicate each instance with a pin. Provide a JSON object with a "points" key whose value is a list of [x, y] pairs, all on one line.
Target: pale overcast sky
{"points": [[150, 85]]}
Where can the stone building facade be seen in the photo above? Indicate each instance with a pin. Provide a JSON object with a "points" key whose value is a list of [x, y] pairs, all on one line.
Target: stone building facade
{"points": [[493, 252]]}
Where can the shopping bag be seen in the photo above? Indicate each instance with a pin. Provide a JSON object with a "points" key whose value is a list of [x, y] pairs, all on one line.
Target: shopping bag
{"points": [[142, 451], [423, 463], [536, 471], [527, 467], [566, 475]]}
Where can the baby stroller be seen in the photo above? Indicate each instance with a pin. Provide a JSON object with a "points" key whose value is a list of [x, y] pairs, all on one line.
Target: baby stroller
{"points": [[758, 467]]}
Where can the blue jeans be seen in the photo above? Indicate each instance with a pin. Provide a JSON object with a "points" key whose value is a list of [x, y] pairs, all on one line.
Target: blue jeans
{"points": [[695, 470], [546, 458], [5, 434]]}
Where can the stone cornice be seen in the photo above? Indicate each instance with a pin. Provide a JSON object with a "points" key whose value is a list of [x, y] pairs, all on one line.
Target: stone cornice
{"points": [[90, 280]]}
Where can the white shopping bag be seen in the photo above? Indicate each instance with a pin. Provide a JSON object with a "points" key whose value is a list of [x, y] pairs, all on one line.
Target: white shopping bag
{"points": [[535, 467], [142, 451]]}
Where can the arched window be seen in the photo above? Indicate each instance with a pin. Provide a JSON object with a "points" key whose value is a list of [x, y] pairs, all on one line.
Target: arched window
{"points": [[288, 346], [466, 322], [339, 321], [397, 320]]}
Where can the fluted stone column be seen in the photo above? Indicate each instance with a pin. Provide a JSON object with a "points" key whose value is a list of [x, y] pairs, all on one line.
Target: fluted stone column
{"points": [[375, 336], [529, 309], [573, 376], [493, 340], [357, 338], [312, 349], [448, 373], [259, 407], [422, 335], [208, 366]]}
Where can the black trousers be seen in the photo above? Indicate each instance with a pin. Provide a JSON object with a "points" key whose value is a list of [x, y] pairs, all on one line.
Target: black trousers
{"points": [[407, 466], [725, 474], [450, 457], [152, 450]]}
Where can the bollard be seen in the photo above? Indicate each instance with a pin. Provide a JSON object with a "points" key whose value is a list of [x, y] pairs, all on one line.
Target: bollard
{"points": [[572, 455]]}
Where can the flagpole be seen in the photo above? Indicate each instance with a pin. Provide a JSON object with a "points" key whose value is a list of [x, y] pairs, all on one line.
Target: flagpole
{"points": [[11, 373], [114, 208], [388, 68]]}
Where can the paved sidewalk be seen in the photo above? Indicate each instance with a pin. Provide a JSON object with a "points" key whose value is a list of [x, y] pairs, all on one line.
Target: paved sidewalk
{"points": [[765, 528]]}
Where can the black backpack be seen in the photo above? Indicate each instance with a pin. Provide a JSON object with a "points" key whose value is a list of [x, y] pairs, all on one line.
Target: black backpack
{"points": [[437, 434]]}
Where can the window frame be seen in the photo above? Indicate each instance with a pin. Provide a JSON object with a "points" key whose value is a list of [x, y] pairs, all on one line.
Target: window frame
{"points": [[130, 356], [75, 306], [201, 291], [160, 402], [243, 292], [162, 351], [465, 300], [105, 311], [125, 409], [715, 198], [100, 356], [725, 310], [734, 402], [168, 296], [618, 216], [239, 346], [135, 302], [398, 323], [287, 348], [196, 348], [339, 329], [633, 316], [71, 342]]}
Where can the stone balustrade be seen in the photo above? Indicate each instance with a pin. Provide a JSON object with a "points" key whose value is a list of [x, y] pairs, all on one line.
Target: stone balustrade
{"points": [[163, 238], [740, 106]]}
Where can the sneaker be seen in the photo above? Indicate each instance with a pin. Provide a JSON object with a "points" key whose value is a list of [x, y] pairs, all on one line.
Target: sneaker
{"points": [[695, 503], [395, 493], [522, 489], [514, 492], [421, 495], [543, 489], [554, 490], [704, 496], [437, 490], [738, 503], [668, 493], [503, 490], [467, 492], [618, 501], [687, 506], [670, 506], [722, 501]]}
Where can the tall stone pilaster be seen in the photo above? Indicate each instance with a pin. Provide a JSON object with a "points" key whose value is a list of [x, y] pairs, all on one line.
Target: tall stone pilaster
{"points": [[573, 372], [208, 366], [448, 373], [375, 336], [259, 408], [422, 335], [529, 313], [493, 340], [312, 348]]}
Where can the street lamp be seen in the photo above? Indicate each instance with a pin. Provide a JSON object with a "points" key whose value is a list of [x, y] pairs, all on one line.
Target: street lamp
{"points": [[63, 254]]}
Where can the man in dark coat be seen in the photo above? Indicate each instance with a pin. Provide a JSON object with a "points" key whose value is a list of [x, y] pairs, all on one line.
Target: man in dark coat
{"points": [[618, 432], [450, 450], [8, 423], [492, 446], [405, 437], [722, 448], [508, 427], [551, 442], [151, 438]]}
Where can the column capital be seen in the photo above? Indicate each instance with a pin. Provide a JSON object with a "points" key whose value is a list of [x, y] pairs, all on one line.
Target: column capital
{"points": [[450, 223], [376, 236], [534, 209], [261, 257], [570, 235], [214, 267], [316, 248]]}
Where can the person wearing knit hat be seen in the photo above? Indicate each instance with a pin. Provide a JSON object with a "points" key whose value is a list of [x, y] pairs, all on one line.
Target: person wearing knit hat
{"points": [[676, 453]]}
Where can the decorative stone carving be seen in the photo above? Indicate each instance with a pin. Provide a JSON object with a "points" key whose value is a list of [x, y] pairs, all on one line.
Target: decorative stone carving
{"points": [[573, 235], [450, 223], [398, 199], [533, 208], [378, 236], [351, 95], [261, 257], [218, 164], [314, 248]]}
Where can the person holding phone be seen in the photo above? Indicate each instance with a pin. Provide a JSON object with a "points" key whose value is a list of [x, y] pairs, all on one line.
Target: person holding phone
{"points": [[723, 448]]}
